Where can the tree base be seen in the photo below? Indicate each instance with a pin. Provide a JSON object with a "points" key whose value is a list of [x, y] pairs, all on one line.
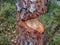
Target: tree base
{"points": [[30, 32]]}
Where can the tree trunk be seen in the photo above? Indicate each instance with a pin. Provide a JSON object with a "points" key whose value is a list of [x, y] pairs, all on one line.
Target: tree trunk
{"points": [[30, 30]]}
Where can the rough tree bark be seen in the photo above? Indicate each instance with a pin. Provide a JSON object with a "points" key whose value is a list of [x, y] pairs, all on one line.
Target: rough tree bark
{"points": [[30, 30]]}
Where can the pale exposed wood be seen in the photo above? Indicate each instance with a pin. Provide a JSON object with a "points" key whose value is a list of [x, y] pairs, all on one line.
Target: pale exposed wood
{"points": [[35, 24]]}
